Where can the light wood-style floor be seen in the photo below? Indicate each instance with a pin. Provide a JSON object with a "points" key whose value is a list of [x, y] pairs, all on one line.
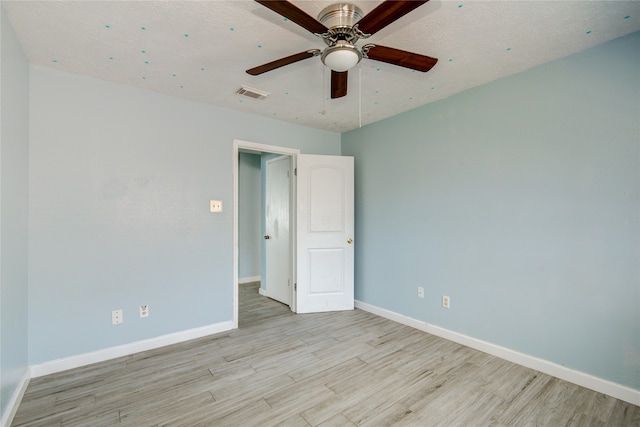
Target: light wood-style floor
{"points": [[331, 369]]}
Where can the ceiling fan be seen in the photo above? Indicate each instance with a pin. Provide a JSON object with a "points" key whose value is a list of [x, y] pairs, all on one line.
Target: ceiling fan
{"points": [[341, 25]]}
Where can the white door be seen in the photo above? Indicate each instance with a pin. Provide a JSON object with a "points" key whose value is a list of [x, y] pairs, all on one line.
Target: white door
{"points": [[278, 229], [325, 233]]}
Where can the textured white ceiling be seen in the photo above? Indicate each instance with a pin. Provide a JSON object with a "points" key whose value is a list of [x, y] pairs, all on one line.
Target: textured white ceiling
{"points": [[201, 49]]}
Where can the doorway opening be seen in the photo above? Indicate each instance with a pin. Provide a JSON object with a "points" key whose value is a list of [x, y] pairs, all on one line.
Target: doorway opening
{"points": [[277, 246]]}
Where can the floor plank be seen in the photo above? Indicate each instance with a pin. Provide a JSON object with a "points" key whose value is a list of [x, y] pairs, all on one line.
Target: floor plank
{"points": [[348, 368]]}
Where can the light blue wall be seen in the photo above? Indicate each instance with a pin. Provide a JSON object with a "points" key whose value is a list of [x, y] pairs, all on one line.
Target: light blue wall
{"points": [[14, 156], [120, 183], [519, 199], [249, 215]]}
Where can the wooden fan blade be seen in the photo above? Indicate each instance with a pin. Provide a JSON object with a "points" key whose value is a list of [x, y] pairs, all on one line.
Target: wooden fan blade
{"points": [[386, 13], [282, 62], [295, 14], [338, 84], [401, 58]]}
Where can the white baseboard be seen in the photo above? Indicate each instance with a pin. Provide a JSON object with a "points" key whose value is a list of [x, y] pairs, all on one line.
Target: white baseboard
{"points": [[127, 349], [16, 398], [251, 279], [583, 379], [263, 292]]}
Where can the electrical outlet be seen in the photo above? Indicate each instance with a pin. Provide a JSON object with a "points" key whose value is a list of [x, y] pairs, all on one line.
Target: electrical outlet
{"points": [[420, 292], [215, 205], [446, 301], [144, 310], [116, 317]]}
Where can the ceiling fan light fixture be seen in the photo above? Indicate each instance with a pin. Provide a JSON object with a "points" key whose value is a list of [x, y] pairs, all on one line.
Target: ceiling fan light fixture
{"points": [[341, 57]]}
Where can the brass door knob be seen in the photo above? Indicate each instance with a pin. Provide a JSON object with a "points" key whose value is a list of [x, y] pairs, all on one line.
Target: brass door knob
{"points": [[267, 237], [349, 240]]}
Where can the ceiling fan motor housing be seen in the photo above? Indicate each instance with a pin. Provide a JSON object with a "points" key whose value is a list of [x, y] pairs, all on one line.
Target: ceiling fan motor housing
{"points": [[340, 16]]}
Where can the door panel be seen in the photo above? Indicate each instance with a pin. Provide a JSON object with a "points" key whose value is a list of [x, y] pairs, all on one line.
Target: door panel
{"points": [[325, 233], [278, 243], [326, 271], [326, 210]]}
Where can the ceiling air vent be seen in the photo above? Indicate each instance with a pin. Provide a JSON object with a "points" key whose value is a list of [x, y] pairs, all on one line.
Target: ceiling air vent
{"points": [[252, 93]]}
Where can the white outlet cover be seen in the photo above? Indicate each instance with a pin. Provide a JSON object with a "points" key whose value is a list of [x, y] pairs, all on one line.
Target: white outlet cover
{"points": [[144, 310], [117, 317], [446, 301], [215, 205]]}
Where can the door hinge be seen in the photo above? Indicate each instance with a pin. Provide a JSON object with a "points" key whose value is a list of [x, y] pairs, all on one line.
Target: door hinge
{"points": [[295, 286], [295, 171]]}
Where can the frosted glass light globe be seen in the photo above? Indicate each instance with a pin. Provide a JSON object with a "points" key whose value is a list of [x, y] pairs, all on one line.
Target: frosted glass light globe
{"points": [[341, 57]]}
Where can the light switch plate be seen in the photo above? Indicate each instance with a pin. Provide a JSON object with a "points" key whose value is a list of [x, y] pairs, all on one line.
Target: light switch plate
{"points": [[215, 205]]}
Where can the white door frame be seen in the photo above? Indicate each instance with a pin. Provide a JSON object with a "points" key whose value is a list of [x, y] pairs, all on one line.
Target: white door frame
{"points": [[253, 147]]}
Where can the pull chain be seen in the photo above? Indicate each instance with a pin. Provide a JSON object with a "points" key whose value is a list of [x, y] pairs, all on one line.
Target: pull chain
{"points": [[324, 91], [360, 95]]}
